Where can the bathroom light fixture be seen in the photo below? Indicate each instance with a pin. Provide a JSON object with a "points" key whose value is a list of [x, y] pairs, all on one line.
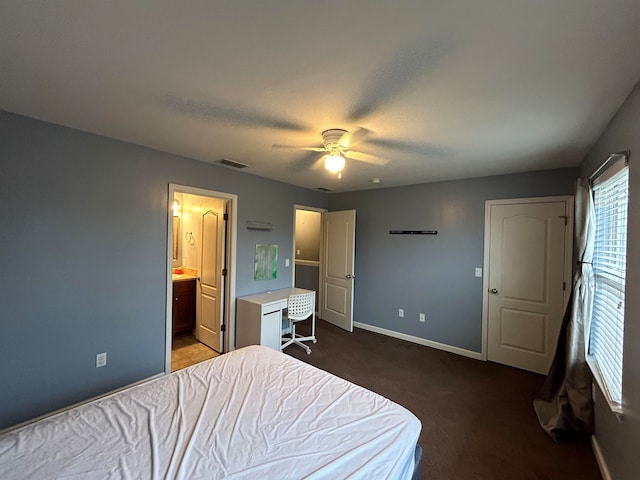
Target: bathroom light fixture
{"points": [[176, 208]]}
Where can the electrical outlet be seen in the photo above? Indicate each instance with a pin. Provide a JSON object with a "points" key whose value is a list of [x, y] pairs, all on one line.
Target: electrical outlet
{"points": [[101, 359], [423, 318], [401, 312]]}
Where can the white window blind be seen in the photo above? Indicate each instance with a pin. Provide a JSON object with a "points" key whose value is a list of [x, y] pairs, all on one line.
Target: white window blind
{"points": [[610, 194]]}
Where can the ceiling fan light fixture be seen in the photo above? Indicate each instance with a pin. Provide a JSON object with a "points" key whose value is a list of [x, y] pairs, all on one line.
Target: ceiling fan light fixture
{"points": [[334, 163]]}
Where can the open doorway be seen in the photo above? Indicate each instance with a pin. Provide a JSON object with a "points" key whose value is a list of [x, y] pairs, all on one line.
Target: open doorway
{"points": [[200, 275], [324, 252], [306, 248]]}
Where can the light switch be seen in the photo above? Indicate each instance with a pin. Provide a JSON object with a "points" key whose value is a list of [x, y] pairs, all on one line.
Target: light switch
{"points": [[101, 359], [286, 262], [478, 272]]}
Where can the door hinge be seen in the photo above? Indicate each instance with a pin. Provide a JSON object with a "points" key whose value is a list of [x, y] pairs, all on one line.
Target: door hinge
{"points": [[223, 327], [225, 216], [564, 286], [224, 272], [565, 218]]}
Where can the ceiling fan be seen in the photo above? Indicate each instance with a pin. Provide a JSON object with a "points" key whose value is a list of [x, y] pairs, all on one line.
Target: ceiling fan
{"points": [[336, 146]]}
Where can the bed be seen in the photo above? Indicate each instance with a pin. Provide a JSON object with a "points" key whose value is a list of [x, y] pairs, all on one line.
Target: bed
{"points": [[251, 413]]}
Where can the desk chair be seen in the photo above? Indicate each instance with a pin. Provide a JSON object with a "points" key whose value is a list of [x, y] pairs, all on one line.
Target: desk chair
{"points": [[300, 307]]}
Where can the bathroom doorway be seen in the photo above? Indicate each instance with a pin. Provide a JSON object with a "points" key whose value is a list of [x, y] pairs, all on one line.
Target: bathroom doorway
{"points": [[200, 275]]}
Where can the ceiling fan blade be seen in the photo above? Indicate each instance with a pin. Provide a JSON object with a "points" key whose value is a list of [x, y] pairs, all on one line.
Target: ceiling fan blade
{"points": [[405, 68], [299, 147], [306, 162], [426, 149], [319, 163], [365, 157], [350, 139], [231, 115]]}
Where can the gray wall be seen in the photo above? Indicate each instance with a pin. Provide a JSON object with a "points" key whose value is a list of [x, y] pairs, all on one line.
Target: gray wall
{"points": [[426, 273], [619, 440], [83, 240], [308, 276]]}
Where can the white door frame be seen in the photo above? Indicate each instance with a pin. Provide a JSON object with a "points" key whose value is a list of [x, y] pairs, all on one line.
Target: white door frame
{"points": [[311, 209], [230, 290], [568, 259]]}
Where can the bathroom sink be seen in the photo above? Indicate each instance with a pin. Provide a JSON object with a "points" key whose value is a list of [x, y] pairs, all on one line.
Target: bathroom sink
{"points": [[182, 277]]}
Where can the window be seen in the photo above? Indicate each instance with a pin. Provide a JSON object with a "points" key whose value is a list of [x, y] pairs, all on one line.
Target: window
{"points": [[610, 195]]}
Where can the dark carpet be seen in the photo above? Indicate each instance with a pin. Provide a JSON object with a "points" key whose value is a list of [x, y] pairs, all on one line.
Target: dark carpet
{"points": [[477, 417]]}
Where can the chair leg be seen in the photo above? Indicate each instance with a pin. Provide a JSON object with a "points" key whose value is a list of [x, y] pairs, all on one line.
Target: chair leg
{"points": [[295, 339], [307, 349], [313, 326], [286, 341]]}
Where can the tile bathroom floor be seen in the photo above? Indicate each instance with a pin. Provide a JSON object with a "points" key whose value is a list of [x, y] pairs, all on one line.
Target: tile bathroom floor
{"points": [[187, 351]]}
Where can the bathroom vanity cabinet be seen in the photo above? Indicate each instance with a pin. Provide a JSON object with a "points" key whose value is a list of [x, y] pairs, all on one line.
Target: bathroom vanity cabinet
{"points": [[184, 305]]}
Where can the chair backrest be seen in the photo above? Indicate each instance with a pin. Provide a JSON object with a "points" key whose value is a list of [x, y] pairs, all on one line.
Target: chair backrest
{"points": [[301, 305]]}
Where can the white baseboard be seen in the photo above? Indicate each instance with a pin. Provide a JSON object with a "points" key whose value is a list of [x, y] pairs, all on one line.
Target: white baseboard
{"points": [[420, 341], [604, 470]]}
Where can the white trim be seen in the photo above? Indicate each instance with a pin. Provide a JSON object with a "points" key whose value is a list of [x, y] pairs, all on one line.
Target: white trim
{"points": [[419, 341], [568, 250], [598, 380], [604, 470], [83, 402], [311, 209], [230, 316], [308, 263], [484, 350]]}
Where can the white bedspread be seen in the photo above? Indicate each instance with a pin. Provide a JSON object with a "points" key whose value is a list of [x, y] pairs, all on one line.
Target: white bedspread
{"points": [[253, 413]]}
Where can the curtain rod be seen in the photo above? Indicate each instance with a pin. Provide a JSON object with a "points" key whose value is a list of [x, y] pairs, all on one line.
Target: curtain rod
{"points": [[612, 156]]}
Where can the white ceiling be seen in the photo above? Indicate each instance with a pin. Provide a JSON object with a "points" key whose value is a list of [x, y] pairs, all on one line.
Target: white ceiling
{"points": [[449, 89]]}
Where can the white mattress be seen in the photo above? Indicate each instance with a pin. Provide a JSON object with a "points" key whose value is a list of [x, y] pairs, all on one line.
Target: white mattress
{"points": [[253, 413]]}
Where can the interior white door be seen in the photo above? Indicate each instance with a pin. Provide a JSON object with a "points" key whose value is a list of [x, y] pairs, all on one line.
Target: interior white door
{"points": [[337, 268], [526, 279], [210, 300]]}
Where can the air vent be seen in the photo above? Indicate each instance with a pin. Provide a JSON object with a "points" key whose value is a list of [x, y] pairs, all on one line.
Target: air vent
{"points": [[323, 189], [230, 163]]}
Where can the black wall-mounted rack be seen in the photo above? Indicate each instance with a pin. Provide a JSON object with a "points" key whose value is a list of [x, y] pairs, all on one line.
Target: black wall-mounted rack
{"points": [[413, 232]]}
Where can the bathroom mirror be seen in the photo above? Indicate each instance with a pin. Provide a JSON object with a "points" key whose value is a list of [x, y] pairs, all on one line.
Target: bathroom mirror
{"points": [[176, 243]]}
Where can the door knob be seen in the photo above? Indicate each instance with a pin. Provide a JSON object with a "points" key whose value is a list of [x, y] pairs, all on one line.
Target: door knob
{"points": [[494, 290], [349, 276]]}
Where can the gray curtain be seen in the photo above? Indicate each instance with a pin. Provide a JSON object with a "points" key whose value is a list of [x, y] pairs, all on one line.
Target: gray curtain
{"points": [[564, 405]]}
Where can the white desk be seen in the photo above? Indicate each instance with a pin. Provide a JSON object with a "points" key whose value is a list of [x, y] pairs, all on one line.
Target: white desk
{"points": [[259, 317]]}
